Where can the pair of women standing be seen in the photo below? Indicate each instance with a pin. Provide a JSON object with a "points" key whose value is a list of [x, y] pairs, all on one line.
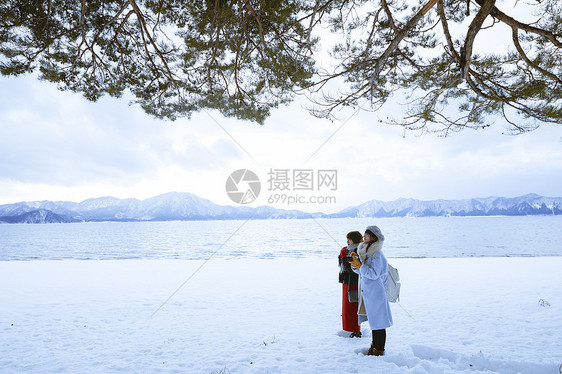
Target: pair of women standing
{"points": [[371, 265]]}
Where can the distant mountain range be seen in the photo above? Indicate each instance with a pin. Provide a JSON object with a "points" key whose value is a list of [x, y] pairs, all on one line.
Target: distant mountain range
{"points": [[186, 206], [531, 204], [167, 207]]}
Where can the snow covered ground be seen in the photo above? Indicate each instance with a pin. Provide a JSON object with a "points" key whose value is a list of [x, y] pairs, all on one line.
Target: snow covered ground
{"points": [[468, 315]]}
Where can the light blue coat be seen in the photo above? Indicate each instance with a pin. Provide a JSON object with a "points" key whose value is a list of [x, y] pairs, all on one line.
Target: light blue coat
{"points": [[373, 303]]}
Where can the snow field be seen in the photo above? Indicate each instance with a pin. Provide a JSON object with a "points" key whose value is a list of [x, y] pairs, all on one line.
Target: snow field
{"points": [[468, 315]]}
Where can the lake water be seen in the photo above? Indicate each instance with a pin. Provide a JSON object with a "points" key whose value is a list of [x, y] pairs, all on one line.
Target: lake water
{"points": [[322, 238]]}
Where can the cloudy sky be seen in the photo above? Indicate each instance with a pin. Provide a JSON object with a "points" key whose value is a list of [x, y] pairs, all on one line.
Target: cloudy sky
{"points": [[58, 146]]}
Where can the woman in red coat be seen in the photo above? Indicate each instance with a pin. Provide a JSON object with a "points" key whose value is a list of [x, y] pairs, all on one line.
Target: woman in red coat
{"points": [[349, 282]]}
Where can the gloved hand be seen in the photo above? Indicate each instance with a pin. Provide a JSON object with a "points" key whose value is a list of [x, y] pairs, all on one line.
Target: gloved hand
{"points": [[355, 263]]}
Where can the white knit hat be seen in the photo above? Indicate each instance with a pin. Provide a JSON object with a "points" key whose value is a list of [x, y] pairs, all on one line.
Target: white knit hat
{"points": [[376, 231]]}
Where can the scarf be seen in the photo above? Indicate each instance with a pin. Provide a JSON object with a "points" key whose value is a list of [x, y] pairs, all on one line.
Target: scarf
{"points": [[365, 253]]}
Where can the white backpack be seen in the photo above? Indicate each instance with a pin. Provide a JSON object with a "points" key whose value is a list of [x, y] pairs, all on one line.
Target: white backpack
{"points": [[393, 285]]}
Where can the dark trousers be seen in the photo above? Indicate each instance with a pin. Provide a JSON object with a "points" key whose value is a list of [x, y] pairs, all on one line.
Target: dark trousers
{"points": [[379, 339]]}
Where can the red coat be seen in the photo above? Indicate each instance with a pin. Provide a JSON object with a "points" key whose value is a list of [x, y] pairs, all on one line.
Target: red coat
{"points": [[349, 310]]}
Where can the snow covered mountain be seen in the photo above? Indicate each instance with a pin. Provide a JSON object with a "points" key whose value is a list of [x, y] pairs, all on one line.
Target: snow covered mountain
{"points": [[531, 204], [186, 206], [166, 207], [37, 216]]}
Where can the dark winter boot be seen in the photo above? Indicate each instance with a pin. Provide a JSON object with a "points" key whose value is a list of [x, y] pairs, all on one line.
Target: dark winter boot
{"points": [[375, 352], [355, 334]]}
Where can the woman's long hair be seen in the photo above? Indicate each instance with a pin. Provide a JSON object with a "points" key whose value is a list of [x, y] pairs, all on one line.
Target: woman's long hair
{"points": [[373, 236]]}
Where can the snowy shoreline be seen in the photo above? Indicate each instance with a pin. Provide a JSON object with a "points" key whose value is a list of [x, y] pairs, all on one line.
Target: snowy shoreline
{"points": [[478, 315]]}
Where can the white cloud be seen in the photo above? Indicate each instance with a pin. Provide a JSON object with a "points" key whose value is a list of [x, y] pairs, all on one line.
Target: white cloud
{"points": [[57, 138]]}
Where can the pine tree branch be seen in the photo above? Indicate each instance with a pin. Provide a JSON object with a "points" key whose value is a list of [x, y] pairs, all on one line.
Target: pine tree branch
{"points": [[400, 36], [446, 31], [515, 38], [512, 22], [473, 29]]}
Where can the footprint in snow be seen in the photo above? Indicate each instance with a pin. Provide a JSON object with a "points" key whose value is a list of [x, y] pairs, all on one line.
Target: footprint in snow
{"points": [[478, 362]]}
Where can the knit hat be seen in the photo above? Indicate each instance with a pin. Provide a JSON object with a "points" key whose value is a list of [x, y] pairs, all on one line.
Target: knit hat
{"points": [[376, 232]]}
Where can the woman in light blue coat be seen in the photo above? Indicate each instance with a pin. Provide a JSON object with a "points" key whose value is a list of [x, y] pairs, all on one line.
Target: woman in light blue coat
{"points": [[372, 267]]}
